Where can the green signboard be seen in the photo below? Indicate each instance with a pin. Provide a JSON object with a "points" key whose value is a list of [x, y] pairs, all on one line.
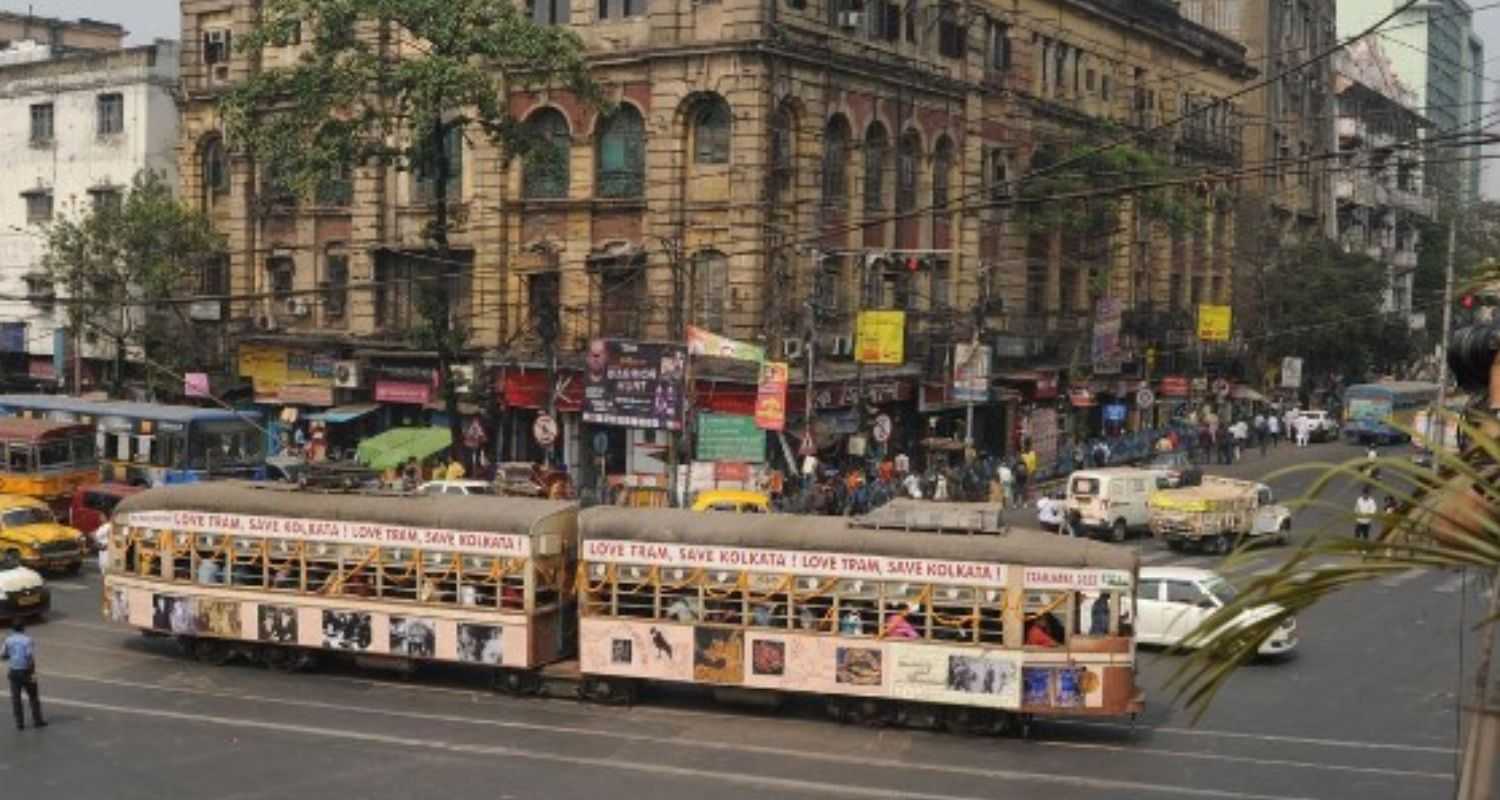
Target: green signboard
{"points": [[730, 437]]}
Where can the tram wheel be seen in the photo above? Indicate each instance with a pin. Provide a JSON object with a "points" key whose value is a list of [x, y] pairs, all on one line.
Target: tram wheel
{"points": [[514, 682], [972, 721], [610, 691], [838, 710], [285, 659], [213, 652], [870, 713]]}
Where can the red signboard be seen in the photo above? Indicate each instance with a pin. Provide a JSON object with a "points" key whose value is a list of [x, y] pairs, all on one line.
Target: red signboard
{"points": [[731, 471], [770, 401], [1174, 386], [292, 394], [529, 390], [405, 392]]}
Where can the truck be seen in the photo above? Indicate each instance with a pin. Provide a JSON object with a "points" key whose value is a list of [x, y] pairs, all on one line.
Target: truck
{"points": [[1218, 513]]}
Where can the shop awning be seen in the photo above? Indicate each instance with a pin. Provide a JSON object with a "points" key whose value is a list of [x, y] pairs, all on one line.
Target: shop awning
{"points": [[342, 414], [394, 447]]}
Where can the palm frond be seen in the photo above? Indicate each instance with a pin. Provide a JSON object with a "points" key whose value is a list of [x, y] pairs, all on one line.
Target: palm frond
{"points": [[1446, 518]]}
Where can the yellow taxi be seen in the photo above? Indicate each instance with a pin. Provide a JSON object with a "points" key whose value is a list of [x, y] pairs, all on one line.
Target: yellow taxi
{"points": [[30, 533], [740, 501]]}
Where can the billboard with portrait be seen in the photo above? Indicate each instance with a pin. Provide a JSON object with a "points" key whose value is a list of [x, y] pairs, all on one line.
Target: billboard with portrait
{"points": [[635, 384]]}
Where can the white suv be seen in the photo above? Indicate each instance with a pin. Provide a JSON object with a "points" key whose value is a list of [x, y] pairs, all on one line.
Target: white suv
{"points": [[457, 487], [1324, 426], [1170, 602]]}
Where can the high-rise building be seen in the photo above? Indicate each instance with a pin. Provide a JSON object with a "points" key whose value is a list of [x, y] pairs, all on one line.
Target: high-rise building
{"points": [[1433, 50]]}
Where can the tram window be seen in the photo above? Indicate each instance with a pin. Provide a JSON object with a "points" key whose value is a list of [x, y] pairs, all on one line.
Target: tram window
{"points": [[248, 568], [354, 571], [635, 594], [322, 568], [178, 549], [439, 583], [55, 455], [858, 608], [18, 458], [723, 602], [954, 616], [396, 571], [1046, 619], [1091, 614], [992, 617], [768, 605], [285, 566], [477, 585], [682, 604], [597, 591], [208, 557]]}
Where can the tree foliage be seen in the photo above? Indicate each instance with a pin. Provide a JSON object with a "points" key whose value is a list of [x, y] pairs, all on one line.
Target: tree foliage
{"points": [[1094, 181], [119, 265], [388, 83]]}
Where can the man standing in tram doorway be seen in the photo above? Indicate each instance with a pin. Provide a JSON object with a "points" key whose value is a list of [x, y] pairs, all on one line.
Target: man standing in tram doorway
{"points": [[20, 653]]}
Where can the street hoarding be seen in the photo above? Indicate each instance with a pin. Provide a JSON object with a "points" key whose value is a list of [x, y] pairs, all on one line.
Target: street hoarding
{"points": [[880, 337], [1213, 323], [770, 395], [707, 343], [635, 384], [730, 437], [1291, 373], [971, 373], [1106, 341]]}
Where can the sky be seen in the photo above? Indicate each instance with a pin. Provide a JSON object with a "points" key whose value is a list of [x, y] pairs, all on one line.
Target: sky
{"points": [[1487, 25], [144, 19]]}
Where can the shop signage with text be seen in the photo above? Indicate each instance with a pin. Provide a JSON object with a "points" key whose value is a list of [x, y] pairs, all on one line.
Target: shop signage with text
{"points": [[880, 337], [770, 396], [404, 392]]}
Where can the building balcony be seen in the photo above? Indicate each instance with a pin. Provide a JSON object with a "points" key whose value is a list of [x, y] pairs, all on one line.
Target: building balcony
{"points": [[1404, 259], [1414, 202]]}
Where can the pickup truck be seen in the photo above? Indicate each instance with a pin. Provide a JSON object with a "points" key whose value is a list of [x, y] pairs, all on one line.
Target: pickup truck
{"points": [[1217, 514]]}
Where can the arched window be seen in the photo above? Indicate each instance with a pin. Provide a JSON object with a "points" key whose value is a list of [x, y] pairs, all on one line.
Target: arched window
{"points": [[877, 147], [836, 161], [783, 153], [621, 166], [545, 170], [942, 175], [908, 153], [215, 169], [711, 123], [710, 290]]}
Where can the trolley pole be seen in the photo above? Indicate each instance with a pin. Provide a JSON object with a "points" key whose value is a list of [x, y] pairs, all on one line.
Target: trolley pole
{"points": [[1435, 438]]}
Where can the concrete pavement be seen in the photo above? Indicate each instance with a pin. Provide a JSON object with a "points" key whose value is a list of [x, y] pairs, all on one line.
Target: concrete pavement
{"points": [[1365, 708]]}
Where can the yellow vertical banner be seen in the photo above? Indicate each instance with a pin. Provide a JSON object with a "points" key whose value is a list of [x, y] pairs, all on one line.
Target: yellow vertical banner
{"points": [[880, 337], [1213, 323]]}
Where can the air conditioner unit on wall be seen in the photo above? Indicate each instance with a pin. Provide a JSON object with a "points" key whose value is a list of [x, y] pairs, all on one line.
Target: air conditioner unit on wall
{"points": [[851, 20], [346, 374], [842, 346], [295, 307], [463, 377], [792, 348]]}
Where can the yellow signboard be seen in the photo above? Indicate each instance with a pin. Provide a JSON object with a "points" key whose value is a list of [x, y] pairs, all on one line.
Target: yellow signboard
{"points": [[265, 366], [880, 337], [1213, 323]]}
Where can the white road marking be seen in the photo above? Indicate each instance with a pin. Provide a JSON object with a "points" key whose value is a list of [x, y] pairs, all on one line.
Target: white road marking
{"points": [[658, 770], [1157, 556], [68, 587], [733, 747], [1264, 737], [1399, 578]]}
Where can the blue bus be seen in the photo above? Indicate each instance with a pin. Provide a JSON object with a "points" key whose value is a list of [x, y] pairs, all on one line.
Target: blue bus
{"points": [[1384, 413], [151, 445]]}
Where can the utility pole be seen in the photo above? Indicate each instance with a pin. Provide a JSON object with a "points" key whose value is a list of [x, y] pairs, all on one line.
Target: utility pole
{"points": [[811, 333], [1435, 438]]}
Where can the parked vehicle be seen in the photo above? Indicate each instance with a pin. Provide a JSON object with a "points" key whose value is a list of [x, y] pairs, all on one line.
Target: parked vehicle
{"points": [[1323, 427], [93, 505], [736, 500], [1216, 514], [1176, 469], [1109, 502], [30, 533], [1385, 413], [46, 459], [23, 593], [465, 487], [1170, 602]]}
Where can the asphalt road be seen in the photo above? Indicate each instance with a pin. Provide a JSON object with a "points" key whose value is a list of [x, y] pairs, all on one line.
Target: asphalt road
{"points": [[1365, 709]]}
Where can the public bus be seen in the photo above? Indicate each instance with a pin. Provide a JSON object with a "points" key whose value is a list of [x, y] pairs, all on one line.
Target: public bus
{"points": [[46, 460], [279, 575], [1385, 413], [152, 445], [903, 625]]}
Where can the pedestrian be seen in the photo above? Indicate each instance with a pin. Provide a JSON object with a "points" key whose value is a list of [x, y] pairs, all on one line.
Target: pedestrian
{"points": [[1273, 427], [1026, 475], [1304, 431], [1007, 484], [1262, 433], [1364, 514], [20, 654]]}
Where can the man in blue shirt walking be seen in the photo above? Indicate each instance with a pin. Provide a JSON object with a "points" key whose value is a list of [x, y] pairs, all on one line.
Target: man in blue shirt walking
{"points": [[20, 652]]}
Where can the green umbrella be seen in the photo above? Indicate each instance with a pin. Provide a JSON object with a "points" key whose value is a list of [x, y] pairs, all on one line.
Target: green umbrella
{"points": [[394, 447]]}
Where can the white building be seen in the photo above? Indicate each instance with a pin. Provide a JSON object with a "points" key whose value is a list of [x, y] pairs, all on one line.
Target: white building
{"points": [[75, 129], [1381, 185]]}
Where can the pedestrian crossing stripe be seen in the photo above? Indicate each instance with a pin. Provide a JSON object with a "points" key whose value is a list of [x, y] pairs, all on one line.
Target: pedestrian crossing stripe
{"points": [[67, 587]]}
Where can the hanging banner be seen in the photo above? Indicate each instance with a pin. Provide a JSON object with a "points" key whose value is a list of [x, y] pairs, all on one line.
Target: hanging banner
{"points": [[1213, 323], [880, 337], [195, 384], [707, 343], [1291, 373], [971, 373], [635, 384], [1106, 344], [770, 396]]}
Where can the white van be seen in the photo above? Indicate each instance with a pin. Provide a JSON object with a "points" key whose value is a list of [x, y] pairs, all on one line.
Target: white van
{"points": [[1109, 502]]}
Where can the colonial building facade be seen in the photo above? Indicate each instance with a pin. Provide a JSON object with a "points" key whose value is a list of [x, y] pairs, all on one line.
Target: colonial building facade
{"points": [[765, 171]]}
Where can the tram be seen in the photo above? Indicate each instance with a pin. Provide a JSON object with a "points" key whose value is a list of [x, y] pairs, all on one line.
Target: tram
{"points": [[883, 621]]}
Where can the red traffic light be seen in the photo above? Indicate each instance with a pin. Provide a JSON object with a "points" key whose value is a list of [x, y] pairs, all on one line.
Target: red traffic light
{"points": [[913, 264], [1467, 301]]}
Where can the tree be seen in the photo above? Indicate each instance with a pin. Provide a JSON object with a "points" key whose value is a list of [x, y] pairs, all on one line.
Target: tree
{"points": [[400, 83], [122, 264]]}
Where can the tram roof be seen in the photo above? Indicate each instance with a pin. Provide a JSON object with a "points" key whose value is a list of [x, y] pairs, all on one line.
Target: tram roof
{"points": [[839, 535], [489, 514], [104, 408]]}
